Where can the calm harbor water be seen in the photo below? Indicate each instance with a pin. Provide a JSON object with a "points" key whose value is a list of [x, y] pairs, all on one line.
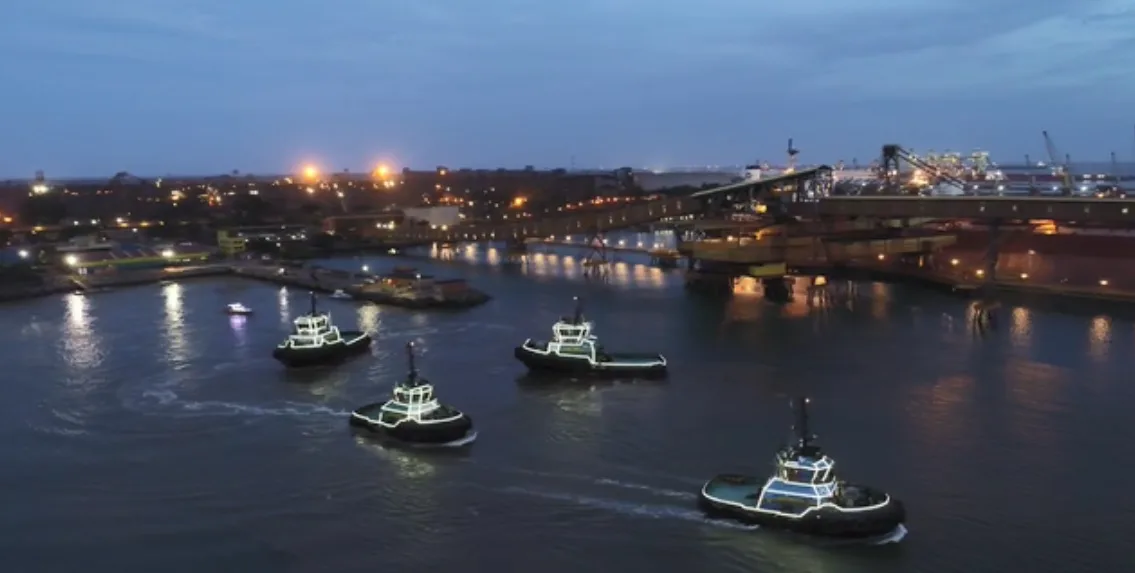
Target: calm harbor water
{"points": [[144, 430]]}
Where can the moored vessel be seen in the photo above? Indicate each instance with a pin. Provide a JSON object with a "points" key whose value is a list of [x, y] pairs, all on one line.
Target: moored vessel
{"points": [[804, 495], [573, 349], [413, 414], [315, 341]]}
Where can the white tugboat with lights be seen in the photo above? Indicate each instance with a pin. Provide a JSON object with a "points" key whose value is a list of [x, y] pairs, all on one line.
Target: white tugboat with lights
{"points": [[237, 309], [804, 496], [316, 342], [575, 350], [413, 414]]}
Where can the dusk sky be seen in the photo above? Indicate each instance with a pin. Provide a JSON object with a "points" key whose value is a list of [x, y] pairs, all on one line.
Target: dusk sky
{"points": [[205, 86]]}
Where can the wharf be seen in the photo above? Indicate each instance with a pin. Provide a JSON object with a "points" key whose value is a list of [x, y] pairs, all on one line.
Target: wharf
{"points": [[966, 288], [53, 284]]}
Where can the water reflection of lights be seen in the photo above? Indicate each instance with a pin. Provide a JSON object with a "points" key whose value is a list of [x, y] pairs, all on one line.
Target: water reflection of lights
{"points": [[405, 463], [177, 345], [369, 318], [620, 274], [493, 256], [285, 312], [1020, 327], [746, 286], [80, 342], [880, 300], [1099, 337], [238, 323]]}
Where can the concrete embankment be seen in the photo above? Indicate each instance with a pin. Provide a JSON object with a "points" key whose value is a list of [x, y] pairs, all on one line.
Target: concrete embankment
{"points": [[969, 286], [310, 278], [62, 283]]}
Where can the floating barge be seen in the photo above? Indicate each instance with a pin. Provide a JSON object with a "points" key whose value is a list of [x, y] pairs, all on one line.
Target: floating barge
{"points": [[403, 287]]}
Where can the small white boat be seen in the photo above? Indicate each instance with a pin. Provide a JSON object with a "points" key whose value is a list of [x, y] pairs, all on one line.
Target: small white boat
{"points": [[238, 309], [340, 294]]}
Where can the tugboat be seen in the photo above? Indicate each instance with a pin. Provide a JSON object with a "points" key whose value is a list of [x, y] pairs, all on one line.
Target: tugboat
{"points": [[237, 309], [574, 350], [340, 294], [804, 495], [414, 416], [317, 342]]}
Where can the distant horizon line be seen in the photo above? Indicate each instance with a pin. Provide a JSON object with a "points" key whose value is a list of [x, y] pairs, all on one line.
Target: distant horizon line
{"points": [[370, 173], [1095, 165]]}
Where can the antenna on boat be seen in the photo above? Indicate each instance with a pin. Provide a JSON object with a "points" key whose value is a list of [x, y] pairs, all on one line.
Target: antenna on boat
{"points": [[803, 432], [578, 310], [410, 355], [312, 303]]}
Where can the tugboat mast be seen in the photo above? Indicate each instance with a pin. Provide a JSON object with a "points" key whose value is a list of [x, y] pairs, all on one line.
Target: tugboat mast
{"points": [[413, 376], [804, 436], [313, 313], [578, 319]]}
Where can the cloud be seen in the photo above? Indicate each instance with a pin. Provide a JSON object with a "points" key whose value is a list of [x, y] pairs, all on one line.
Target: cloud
{"points": [[1089, 42]]}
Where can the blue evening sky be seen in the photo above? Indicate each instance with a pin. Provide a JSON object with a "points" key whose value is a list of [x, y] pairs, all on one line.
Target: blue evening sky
{"points": [[199, 86]]}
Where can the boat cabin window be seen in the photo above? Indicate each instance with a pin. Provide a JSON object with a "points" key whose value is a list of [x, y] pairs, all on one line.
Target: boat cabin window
{"points": [[304, 340], [787, 504], [798, 475], [583, 350]]}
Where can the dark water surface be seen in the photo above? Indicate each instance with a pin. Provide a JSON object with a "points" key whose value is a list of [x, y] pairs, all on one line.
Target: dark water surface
{"points": [[143, 430]]}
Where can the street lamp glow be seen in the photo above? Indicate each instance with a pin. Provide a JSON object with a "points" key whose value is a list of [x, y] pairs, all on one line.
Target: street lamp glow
{"points": [[310, 172], [71, 260], [23, 253], [168, 253]]}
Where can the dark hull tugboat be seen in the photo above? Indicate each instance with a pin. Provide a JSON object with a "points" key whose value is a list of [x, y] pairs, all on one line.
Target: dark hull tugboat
{"points": [[316, 342], [574, 350], [804, 496], [414, 416]]}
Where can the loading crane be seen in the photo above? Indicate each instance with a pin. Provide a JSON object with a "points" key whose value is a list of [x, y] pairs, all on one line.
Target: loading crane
{"points": [[890, 168], [1065, 172], [792, 153]]}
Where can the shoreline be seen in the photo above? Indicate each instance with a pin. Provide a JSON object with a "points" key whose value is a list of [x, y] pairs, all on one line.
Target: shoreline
{"points": [[942, 282], [65, 284], [1014, 289]]}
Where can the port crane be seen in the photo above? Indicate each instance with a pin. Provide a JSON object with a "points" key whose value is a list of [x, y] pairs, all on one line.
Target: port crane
{"points": [[893, 154], [1065, 171], [792, 153]]}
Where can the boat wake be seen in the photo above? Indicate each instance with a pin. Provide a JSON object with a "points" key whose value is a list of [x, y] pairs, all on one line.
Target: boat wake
{"points": [[627, 508], [893, 537], [607, 481], [169, 398], [648, 489]]}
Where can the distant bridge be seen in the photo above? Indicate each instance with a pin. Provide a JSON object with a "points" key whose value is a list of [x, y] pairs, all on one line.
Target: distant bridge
{"points": [[595, 222]]}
